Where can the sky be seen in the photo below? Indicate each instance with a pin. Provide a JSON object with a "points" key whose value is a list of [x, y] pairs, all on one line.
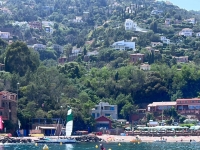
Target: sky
{"points": [[187, 4]]}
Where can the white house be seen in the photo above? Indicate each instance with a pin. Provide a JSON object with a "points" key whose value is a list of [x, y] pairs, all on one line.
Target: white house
{"points": [[47, 23], [186, 32], [165, 40], [156, 12], [39, 47], [167, 21], [145, 67], [78, 19], [122, 45], [105, 109], [198, 34], [191, 20], [154, 44], [4, 35], [130, 24]]}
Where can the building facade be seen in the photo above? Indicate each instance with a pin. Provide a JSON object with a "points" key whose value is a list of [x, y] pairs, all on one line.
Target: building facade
{"points": [[137, 58], [35, 25], [159, 106], [105, 109], [130, 24], [4, 35], [8, 106], [183, 106], [165, 40], [122, 45], [186, 32], [39, 47], [145, 67], [182, 59]]}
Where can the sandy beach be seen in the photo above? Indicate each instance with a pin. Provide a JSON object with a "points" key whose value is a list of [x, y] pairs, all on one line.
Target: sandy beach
{"points": [[120, 139], [115, 138]]}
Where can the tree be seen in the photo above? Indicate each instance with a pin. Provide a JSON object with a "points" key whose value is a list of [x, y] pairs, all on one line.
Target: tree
{"points": [[19, 59], [154, 26]]}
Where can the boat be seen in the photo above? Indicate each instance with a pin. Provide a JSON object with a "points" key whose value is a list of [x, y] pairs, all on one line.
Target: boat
{"points": [[60, 140], [160, 141], [68, 132]]}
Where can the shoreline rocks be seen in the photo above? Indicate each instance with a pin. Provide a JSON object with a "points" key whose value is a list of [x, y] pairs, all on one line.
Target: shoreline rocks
{"points": [[30, 140]]}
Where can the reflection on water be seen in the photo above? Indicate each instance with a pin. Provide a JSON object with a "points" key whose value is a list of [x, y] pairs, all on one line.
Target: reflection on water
{"points": [[67, 147], [113, 146]]}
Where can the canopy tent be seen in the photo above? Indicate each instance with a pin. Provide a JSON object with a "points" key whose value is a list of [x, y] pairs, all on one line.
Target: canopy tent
{"points": [[162, 128], [194, 127]]}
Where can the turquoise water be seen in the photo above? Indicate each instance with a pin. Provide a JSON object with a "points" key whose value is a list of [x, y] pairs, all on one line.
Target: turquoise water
{"points": [[112, 146]]}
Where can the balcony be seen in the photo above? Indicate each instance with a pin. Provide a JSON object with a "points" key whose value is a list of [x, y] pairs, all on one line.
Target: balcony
{"points": [[189, 112]]}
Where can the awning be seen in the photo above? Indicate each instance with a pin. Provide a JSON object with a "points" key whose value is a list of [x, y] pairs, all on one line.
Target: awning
{"points": [[42, 127]]}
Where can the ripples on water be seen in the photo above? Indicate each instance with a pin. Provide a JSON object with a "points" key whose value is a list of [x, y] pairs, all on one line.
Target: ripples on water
{"points": [[112, 146]]}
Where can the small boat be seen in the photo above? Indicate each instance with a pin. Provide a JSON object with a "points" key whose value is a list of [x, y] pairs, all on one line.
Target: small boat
{"points": [[68, 132], [48, 140], [160, 141]]}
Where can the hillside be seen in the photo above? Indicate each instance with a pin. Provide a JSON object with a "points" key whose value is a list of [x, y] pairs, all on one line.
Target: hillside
{"points": [[81, 34]]}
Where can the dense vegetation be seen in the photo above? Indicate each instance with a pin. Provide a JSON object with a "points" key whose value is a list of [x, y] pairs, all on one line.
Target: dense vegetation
{"points": [[109, 76]]}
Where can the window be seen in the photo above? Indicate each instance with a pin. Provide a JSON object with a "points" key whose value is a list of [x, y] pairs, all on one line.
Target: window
{"points": [[3, 105], [112, 108], [93, 115], [9, 105], [107, 115], [97, 114]]}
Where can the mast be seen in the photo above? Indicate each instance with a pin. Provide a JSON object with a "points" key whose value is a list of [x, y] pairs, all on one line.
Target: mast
{"points": [[162, 114]]}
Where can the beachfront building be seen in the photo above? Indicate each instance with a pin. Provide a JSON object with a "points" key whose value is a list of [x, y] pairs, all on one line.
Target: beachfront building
{"points": [[45, 127], [8, 106], [183, 106], [103, 123], [160, 106], [105, 109]]}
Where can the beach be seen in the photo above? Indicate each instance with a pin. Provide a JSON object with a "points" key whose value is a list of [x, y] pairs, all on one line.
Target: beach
{"points": [[115, 138]]}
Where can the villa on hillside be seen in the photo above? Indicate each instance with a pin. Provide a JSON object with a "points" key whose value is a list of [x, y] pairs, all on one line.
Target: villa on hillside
{"points": [[105, 109], [39, 47], [191, 20], [167, 21], [182, 59], [165, 40], [198, 34], [186, 32], [130, 25], [155, 44], [145, 67], [122, 45], [137, 58], [4, 35]]}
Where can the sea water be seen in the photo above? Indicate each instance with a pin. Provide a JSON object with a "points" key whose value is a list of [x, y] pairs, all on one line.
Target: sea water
{"points": [[111, 146]]}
